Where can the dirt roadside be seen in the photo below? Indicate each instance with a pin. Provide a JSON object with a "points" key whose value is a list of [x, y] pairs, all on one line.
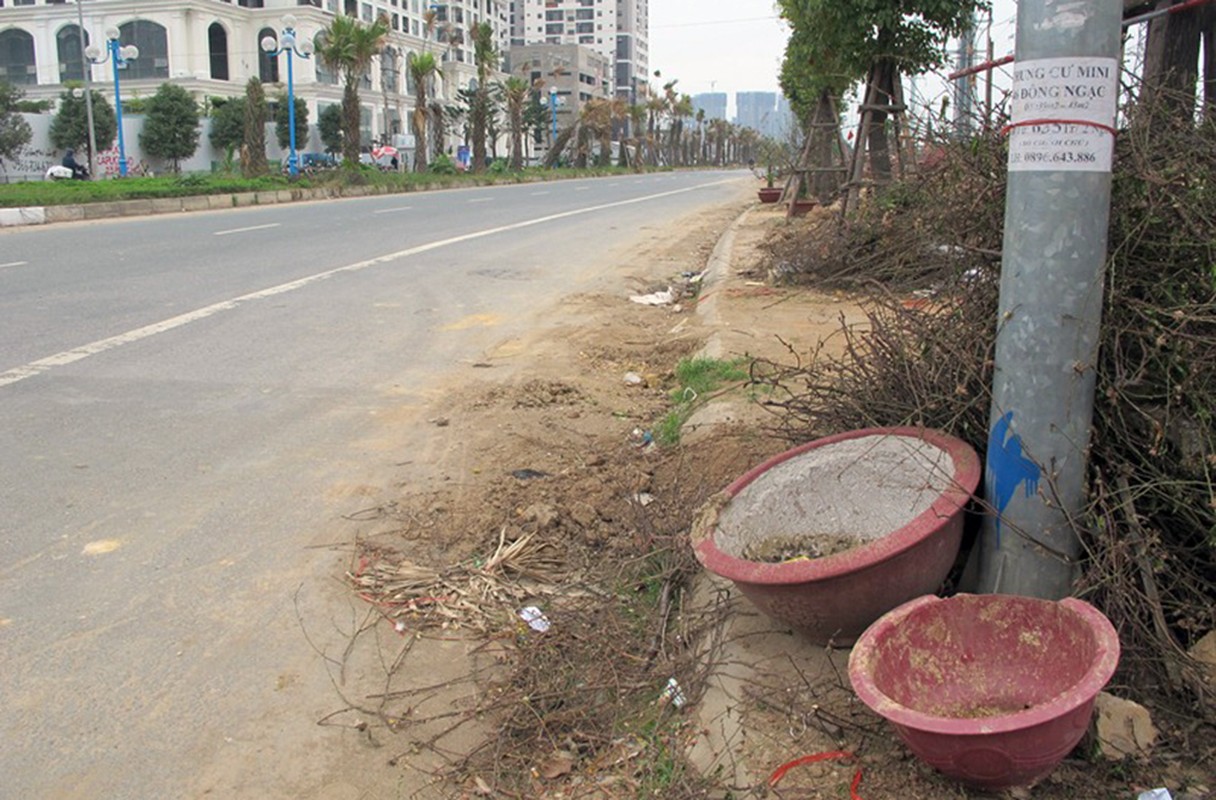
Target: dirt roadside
{"points": [[547, 436]]}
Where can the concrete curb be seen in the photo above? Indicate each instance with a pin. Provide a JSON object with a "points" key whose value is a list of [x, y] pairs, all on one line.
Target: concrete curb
{"points": [[716, 270]]}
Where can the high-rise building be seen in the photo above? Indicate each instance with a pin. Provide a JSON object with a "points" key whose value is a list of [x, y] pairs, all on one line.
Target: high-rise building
{"points": [[755, 110], [712, 103], [618, 29]]}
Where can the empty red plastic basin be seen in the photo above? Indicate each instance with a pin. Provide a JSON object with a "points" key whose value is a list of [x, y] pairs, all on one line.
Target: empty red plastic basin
{"points": [[992, 690], [891, 499]]}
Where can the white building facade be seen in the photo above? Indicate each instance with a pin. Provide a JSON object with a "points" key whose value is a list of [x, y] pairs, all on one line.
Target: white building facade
{"points": [[211, 48]]}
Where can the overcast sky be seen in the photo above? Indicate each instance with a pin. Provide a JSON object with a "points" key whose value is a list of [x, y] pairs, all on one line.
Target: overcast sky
{"points": [[738, 46]]}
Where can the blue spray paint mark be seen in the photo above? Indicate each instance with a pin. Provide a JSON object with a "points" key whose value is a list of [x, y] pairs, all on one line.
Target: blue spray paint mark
{"points": [[1007, 469]]}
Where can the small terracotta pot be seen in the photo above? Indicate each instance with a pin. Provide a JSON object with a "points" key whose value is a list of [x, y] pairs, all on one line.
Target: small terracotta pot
{"points": [[770, 194]]}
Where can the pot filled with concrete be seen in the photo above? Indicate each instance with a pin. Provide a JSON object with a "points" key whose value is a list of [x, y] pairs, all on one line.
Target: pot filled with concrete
{"points": [[829, 536]]}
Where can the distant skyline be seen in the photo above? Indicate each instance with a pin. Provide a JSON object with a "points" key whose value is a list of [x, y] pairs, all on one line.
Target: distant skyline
{"points": [[712, 47], [717, 47]]}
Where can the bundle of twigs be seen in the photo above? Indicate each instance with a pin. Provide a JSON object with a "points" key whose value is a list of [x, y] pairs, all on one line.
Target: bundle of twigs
{"points": [[465, 595]]}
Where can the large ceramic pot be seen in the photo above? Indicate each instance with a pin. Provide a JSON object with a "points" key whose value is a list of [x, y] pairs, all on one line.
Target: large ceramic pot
{"points": [[770, 194], [831, 535], [993, 690]]}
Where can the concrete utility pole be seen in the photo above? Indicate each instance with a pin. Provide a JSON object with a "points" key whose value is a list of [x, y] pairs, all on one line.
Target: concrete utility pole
{"points": [[1057, 209]]}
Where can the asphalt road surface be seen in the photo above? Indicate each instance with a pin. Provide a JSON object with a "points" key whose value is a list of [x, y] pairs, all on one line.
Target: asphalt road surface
{"points": [[187, 403]]}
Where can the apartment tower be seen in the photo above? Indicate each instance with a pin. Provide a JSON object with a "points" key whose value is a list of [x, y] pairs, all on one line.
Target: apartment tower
{"points": [[617, 29]]}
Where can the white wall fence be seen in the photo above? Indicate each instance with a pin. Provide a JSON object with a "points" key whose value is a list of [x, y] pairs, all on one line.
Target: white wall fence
{"points": [[36, 157]]}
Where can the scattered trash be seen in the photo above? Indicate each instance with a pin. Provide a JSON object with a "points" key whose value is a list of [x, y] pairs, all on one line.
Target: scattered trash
{"points": [[640, 437], [528, 474], [1156, 794], [440, 422], [663, 298], [643, 499], [673, 694], [535, 618], [399, 626], [634, 379]]}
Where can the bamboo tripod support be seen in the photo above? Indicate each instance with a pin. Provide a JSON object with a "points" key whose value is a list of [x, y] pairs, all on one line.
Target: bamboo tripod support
{"points": [[894, 106], [800, 178]]}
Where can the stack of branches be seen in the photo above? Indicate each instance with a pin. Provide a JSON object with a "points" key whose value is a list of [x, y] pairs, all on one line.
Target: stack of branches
{"points": [[585, 701], [462, 596], [914, 235], [1150, 528]]}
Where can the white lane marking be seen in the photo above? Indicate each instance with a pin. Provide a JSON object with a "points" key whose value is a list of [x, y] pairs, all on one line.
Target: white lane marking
{"points": [[14, 264], [538, 194], [250, 228], [481, 199], [42, 365], [391, 210], [581, 188]]}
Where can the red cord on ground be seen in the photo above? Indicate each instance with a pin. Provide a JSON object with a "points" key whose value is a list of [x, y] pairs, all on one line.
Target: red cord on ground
{"points": [[779, 773]]}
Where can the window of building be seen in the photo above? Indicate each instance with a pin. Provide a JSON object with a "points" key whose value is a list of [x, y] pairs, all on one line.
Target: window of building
{"points": [[323, 74], [268, 65], [17, 64], [217, 49], [389, 69], [153, 44], [71, 65]]}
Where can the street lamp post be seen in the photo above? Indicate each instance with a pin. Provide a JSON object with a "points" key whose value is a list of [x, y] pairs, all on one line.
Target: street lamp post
{"points": [[119, 55], [290, 44], [553, 110]]}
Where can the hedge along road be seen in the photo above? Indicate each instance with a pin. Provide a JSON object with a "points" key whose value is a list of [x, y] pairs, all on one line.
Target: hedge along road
{"points": [[187, 405]]}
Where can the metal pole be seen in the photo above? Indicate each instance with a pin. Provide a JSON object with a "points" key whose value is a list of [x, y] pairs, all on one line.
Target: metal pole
{"points": [[292, 165], [1057, 209], [963, 95], [988, 77], [553, 109], [87, 67], [122, 150]]}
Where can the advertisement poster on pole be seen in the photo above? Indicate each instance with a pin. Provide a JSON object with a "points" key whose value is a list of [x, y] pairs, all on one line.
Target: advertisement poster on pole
{"points": [[1063, 115]]}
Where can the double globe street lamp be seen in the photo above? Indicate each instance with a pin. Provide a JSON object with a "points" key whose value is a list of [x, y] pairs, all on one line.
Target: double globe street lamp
{"points": [[119, 55], [290, 44]]}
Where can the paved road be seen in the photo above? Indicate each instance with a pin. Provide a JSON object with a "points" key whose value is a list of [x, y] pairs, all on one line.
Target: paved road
{"points": [[186, 404]]}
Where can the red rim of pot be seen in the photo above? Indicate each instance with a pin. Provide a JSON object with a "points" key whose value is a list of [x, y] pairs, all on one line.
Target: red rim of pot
{"points": [[1099, 672], [962, 485]]}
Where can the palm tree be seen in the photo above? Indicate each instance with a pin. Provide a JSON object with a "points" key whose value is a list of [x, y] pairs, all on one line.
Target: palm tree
{"points": [[485, 56], [515, 91], [349, 47], [637, 122], [680, 109], [422, 67]]}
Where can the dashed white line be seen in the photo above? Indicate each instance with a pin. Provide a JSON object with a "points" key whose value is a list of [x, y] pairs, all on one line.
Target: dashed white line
{"points": [[250, 228], [581, 188], [42, 365], [538, 194], [14, 264], [391, 210], [481, 199]]}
